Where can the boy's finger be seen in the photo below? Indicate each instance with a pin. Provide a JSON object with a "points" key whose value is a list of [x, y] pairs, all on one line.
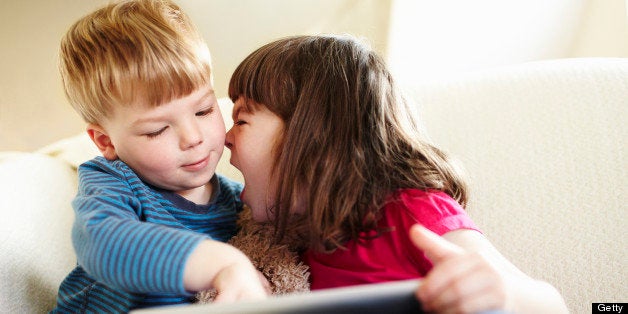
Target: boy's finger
{"points": [[434, 246]]}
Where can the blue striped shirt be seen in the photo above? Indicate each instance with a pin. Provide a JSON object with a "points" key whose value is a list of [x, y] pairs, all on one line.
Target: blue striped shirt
{"points": [[132, 240]]}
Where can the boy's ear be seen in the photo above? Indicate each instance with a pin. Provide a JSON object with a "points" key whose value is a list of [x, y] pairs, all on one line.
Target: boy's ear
{"points": [[102, 140]]}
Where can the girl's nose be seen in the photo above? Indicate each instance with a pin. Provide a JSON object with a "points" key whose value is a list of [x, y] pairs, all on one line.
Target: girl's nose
{"points": [[229, 139]]}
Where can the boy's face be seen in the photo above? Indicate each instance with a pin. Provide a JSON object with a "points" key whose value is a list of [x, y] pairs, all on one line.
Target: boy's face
{"points": [[174, 146], [252, 140]]}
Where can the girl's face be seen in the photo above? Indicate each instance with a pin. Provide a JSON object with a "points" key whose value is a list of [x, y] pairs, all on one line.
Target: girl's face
{"points": [[252, 141]]}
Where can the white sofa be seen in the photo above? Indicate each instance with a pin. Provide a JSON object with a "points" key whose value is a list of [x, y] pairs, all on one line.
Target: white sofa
{"points": [[543, 143]]}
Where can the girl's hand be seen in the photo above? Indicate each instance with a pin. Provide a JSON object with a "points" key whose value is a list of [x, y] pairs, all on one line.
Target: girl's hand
{"points": [[461, 281]]}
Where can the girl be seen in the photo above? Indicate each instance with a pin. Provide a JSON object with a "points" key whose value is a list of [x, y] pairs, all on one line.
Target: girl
{"points": [[327, 148]]}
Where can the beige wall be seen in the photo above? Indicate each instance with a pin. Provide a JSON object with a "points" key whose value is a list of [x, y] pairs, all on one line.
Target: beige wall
{"points": [[603, 31], [33, 109], [450, 37], [233, 29]]}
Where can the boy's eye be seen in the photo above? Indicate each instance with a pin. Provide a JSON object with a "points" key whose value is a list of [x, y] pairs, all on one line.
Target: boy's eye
{"points": [[239, 122], [156, 133], [205, 112]]}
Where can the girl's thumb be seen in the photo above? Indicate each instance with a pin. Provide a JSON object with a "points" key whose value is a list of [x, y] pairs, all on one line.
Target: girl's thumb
{"points": [[434, 246]]}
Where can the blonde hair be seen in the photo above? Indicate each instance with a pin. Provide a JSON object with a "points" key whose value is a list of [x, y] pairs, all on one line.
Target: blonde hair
{"points": [[131, 51], [348, 144]]}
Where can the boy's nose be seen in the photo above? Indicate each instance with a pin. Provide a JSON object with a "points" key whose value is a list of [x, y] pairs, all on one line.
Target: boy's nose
{"points": [[191, 136]]}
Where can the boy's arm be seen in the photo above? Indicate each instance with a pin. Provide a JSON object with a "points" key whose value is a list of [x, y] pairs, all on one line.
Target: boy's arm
{"points": [[118, 249]]}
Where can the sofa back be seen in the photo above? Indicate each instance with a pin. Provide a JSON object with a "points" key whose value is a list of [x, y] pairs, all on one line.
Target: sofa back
{"points": [[543, 144]]}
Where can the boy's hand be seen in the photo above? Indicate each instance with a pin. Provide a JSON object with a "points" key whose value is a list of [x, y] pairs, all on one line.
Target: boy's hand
{"points": [[240, 281], [460, 281], [267, 287], [220, 266]]}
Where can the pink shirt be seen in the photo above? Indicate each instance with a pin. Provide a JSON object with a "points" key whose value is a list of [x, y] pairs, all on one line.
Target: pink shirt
{"points": [[392, 256]]}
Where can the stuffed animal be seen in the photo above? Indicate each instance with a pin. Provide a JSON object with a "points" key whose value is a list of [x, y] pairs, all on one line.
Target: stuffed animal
{"points": [[279, 263]]}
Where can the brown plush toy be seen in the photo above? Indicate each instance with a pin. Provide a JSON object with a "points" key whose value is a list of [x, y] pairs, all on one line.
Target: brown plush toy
{"points": [[279, 263]]}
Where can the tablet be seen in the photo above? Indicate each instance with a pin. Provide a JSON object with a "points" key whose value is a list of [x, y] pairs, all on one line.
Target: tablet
{"points": [[389, 297]]}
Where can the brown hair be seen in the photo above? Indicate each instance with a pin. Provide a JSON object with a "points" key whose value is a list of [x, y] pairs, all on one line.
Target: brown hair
{"points": [[348, 143], [130, 51]]}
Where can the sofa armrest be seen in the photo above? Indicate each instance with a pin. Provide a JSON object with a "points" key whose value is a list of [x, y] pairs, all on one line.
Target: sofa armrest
{"points": [[36, 221]]}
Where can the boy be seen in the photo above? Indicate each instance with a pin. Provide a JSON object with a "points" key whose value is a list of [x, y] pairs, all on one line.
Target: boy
{"points": [[151, 215]]}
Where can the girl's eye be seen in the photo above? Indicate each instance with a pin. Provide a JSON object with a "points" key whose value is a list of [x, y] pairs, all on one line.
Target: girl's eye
{"points": [[239, 122], [156, 133], [203, 113]]}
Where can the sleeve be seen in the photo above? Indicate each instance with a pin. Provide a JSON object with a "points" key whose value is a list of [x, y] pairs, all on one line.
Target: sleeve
{"points": [[436, 211], [115, 247]]}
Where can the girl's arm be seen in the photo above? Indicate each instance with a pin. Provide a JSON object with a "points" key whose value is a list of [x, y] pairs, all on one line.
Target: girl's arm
{"points": [[470, 276], [217, 265]]}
